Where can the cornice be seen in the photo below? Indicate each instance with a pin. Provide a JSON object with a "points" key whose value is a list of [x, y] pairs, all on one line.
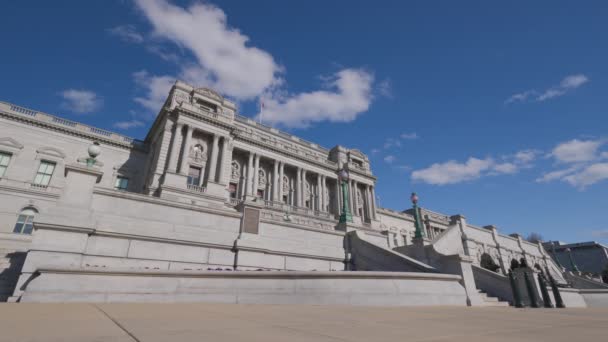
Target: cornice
{"points": [[67, 127]]}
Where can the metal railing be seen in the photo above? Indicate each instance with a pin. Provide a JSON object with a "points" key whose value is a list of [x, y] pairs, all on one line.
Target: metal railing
{"points": [[196, 188]]}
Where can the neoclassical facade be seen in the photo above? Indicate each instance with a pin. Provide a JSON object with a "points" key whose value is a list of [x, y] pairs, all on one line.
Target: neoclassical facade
{"points": [[208, 189]]}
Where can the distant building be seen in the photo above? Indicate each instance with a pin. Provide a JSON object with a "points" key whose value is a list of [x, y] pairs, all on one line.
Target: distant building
{"points": [[589, 257]]}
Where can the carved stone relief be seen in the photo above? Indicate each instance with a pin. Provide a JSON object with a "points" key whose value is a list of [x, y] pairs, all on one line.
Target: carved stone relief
{"points": [[235, 174], [198, 153]]}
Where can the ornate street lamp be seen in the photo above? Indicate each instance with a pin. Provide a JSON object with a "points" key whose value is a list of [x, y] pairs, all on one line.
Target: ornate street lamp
{"points": [[419, 231], [343, 179]]}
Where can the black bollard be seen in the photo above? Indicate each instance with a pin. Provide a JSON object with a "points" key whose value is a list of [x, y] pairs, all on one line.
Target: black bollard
{"points": [[531, 292], [516, 295], [559, 303], [543, 291]]}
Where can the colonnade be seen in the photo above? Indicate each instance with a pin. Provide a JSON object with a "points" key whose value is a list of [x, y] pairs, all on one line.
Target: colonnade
{"points": [[220, 158], [179, 154]]}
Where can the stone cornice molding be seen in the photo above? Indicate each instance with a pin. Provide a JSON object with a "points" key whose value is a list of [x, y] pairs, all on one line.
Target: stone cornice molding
{"points": [[262, 274], [160, 201], [47, 121]]}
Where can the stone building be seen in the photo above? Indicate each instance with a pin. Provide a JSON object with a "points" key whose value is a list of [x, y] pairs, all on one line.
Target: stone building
{"points": [[589, 257], [88, 214]]}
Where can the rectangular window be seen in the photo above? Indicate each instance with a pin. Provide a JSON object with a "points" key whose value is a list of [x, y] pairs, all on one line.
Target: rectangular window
{"points": [[122, 183], [232, 190], [4, 159], [194, 175], [45, 171]]}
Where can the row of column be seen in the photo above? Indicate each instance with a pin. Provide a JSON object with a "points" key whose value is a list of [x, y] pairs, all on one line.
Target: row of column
{"points": [[369, 200], [214, 175], [320, 201]]}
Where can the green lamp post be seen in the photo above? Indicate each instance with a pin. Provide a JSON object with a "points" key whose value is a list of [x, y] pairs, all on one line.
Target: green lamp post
{"points": [[419, 231], [346, 215]]}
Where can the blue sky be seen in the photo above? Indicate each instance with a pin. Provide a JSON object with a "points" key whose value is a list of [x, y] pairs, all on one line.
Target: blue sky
{"points": [[495, 110]]}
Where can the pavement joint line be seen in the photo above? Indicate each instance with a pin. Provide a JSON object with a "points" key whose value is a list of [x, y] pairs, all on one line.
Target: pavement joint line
{"points": [[133, 337]]}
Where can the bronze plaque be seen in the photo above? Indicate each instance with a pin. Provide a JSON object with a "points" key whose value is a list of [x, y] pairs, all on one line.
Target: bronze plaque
{"points": [[251, 220]]}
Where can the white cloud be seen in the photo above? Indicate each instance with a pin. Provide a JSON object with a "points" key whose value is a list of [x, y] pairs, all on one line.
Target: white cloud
{"points": [[222, 51], [81, 101], [385, 88], [576, 151], [452, 172], [375, 150], [156, 89], [226, 61], [585, 163], [127, 33], [506, 168], [390, 159], [128, 124], [526, 156], [409, 136], [600, 233], [521, 97], [588, 176], [574, 81], [555, 175], [349, 96], [567, 84]]}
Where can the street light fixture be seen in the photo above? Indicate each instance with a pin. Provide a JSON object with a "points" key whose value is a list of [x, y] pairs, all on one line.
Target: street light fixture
{"points": [[343, 179], [418, 223]]}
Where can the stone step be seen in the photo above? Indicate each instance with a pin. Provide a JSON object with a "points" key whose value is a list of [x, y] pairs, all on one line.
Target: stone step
{"points": [[497, 304], [490, 299]]}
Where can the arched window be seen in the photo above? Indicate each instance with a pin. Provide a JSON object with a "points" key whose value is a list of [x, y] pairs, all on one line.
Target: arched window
{"points": [[25, 221]]}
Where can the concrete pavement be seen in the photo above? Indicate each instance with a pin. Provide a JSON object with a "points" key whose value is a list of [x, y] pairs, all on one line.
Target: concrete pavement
{"points": [[229, 322]]}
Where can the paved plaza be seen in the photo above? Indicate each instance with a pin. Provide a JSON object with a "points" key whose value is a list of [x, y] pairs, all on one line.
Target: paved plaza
{"points": [[226, 322]]}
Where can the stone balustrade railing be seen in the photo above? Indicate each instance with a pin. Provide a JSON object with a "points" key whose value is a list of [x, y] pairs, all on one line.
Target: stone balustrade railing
{"points": [[69, 125]]}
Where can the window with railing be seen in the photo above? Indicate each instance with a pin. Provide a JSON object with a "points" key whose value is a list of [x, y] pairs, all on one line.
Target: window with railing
{"points": [[194, 175]]}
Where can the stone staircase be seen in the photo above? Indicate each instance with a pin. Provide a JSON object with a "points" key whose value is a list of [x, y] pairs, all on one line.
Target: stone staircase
{"points": [[11, 262], [491, 301]]}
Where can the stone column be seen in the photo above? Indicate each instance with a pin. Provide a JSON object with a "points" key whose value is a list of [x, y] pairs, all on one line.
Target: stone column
{"points": [[256, 178], [319, 201], [323, 198], [184, 162], [280, 181], [249, 185], [298, 187], [354, 198], [226, 157], [368, 197], [175, 147], [275, 181], [337, 198], [374, 202], [303, 200], [213, 161]]}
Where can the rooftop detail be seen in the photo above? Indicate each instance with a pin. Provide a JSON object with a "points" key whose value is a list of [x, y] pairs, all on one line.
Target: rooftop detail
{"points": [[73, 127]]}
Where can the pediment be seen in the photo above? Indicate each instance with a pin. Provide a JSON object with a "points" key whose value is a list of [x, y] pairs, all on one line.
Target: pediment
{"points": [[10, 143], [51, 151]]}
